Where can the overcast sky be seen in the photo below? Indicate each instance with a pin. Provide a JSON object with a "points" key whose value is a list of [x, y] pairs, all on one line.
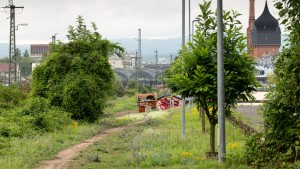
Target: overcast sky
{"points": [[114, 18]]}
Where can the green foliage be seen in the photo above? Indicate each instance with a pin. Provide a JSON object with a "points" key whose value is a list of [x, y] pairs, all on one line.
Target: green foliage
{"points": [[31, 116], [10, 96], [12, 124], [145, 89], [131, 88], [44, 116], [281, 113], [289, 16], [132, 84], [76, 76], [4, 60], [119, 87], [194, 72], [25, 64]]}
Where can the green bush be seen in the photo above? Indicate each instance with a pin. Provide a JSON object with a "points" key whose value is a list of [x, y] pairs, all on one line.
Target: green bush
{"points": [[76, 76], [281, 134], [34, 115], [261, 152], [44, 116], [82, 96], [119, 87], [52, 120], [10, 96], [12, 124], [130, 92]]}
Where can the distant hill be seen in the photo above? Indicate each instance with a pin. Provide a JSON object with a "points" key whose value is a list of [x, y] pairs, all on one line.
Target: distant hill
{"points": [[4, 49], [165, 47]]}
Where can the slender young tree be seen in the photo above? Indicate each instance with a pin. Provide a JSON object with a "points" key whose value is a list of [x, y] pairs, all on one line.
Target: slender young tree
{"points": [[194, 72]]}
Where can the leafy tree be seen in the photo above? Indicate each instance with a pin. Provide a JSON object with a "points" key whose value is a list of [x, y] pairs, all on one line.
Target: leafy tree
{"points": [[4, 60], [77, 75], [26, 54], [131, 88], [119, 87], [194, 72], [25, 64], [281, 134], [289, 14]]}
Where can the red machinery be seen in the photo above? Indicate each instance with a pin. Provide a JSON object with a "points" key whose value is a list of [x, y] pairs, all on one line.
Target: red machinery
{"points": [[165, 102], [147, 101]]}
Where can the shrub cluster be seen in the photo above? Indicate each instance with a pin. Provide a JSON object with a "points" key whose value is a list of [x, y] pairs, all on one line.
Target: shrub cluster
{"points": [[10, 96], [76, 76], [31, 116]]}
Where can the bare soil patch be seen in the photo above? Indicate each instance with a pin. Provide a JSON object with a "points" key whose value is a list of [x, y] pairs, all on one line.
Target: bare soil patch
{"points": [[124, 113], [62, 159]]}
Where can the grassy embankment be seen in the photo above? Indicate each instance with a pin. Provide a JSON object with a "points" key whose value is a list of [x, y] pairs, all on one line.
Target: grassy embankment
{"points": [[26, 151], [158, 144]]}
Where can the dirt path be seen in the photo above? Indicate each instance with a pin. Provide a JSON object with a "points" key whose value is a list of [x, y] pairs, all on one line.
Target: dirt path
{"points": [[61, 160]]}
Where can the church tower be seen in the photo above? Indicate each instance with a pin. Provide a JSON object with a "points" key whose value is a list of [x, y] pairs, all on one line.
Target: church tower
{"points": [[266, 35], [250, 26]]}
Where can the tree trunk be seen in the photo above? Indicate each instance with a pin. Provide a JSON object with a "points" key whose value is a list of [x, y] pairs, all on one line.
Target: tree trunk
{"points": [[199, 110], [203, 119], [212, 137]]}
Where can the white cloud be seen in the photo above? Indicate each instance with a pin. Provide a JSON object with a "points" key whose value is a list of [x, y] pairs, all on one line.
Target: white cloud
{"points": [[115, 18]]}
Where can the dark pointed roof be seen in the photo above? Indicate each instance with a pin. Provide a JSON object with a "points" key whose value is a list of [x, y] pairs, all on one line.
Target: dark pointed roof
{"points": [[266, 22]]}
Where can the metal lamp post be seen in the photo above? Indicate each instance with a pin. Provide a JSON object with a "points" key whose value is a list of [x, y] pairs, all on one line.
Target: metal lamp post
{"points": [[21, 24], [19, 57], [221, 93]]}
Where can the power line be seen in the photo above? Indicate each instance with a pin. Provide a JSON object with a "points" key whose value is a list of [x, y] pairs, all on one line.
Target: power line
{"points": [[12, 76], [4, 20]]}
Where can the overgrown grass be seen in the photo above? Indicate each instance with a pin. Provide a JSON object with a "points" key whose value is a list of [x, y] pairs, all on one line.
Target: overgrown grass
{"points": [[158, 144], [26, 151], [126, 103]]}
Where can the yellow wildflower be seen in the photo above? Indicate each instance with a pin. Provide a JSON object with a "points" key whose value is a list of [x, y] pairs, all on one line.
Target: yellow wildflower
{"points": [[74, 124], [234, 145], [186, 154]]}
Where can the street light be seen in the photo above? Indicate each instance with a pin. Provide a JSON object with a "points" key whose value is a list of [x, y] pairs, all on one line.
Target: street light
{"points": [[21, 24], [15, 53]]}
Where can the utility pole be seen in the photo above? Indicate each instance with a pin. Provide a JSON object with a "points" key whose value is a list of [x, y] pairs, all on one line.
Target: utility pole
{"points": [[156, 65], [190, 20], [12, 76], [183, 22], [136, 66], [140, 48], [221, 93]]}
